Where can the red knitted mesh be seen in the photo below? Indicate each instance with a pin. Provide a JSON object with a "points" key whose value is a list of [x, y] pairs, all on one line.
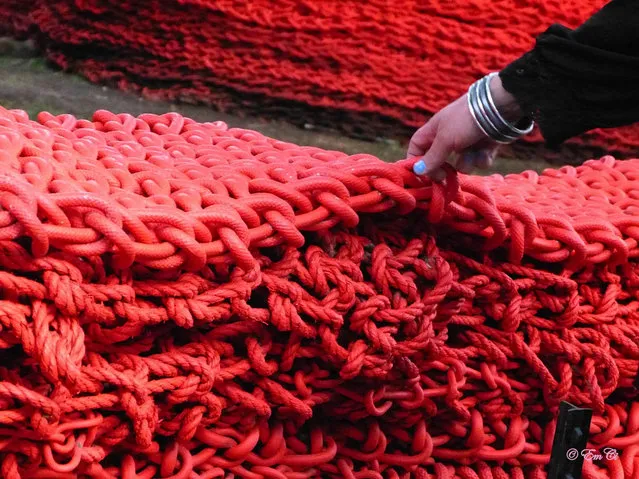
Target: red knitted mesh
{"points": [[184, 300], [362, 66]]}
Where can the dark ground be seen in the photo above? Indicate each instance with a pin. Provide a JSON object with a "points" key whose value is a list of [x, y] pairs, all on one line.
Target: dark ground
{"points": [[28, 82]]}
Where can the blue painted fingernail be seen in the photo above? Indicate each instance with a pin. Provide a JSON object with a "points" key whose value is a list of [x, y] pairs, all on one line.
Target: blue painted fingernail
{"points": [[419, 168]]}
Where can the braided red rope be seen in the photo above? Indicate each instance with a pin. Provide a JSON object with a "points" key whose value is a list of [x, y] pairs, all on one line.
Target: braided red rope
{"points": [[184, 300], [578, 215], [402, 60]]}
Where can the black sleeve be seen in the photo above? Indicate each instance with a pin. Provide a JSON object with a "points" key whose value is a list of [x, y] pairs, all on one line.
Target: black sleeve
{"points": [[577, 80]]}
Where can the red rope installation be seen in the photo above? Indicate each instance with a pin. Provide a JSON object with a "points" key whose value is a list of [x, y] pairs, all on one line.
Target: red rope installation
{"points": [[184, 300], [401, 60]]}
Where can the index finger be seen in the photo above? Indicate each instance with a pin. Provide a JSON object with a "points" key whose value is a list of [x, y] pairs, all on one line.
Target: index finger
{"points": [[422, 139]]}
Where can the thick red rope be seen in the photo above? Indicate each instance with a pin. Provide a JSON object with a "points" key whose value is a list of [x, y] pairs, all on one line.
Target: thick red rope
{"points": [[184, 300], [402, 60]]}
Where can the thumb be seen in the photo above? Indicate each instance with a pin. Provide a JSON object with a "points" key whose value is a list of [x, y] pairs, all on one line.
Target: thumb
{"points": [[434, 158]]}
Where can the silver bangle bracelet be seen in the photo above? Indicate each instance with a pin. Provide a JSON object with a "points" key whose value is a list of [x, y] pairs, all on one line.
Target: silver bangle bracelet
{"points": [[479, 109], [488, 118], [487, 107]]}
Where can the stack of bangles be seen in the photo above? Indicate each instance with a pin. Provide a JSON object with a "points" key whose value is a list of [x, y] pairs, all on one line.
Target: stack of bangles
{"points": [[488, 118]]}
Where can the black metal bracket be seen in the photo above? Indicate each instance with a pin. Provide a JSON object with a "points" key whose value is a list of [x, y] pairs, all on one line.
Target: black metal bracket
{"points": [[571, 438]]}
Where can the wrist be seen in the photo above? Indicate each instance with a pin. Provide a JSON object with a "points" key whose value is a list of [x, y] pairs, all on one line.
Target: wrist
{"points": [[496, 112], [505, 103]]}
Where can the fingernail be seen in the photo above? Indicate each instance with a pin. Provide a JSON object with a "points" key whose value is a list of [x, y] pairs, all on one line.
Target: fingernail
{"points": [[419, 168]]}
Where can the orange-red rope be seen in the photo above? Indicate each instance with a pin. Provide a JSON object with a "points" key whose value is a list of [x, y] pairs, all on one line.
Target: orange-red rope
{"points": [[275, 191], [184, 300], [399, 61]]}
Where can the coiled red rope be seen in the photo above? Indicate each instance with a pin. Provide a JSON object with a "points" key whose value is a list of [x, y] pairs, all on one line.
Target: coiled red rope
{"points": [[401, 60], [184, 300]]}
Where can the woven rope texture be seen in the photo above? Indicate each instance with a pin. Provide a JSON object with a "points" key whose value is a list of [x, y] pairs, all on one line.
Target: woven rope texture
{"points": [[184, 300], [374, 62]]}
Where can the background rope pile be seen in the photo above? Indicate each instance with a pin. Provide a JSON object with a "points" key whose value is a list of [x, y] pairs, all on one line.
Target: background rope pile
{"points": [[184, 300], [369, 67]]}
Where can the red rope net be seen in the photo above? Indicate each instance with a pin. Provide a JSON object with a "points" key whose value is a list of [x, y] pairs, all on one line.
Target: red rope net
{"points": [[184, 300], [361, 65]]}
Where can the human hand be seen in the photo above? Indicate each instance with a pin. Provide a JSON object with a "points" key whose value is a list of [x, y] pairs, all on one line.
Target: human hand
{"points": [[453, 131]]}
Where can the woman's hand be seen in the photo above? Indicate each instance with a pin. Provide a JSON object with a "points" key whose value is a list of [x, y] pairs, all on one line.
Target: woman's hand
{"points": [[454, 131]]}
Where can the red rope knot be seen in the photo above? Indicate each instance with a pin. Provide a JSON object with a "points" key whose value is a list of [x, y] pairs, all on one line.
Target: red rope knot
{"points": [[279, 215], [344, 172], [369, 445], [257, 353], [244, 399], [166, 124], [355, 360], [144, 415], [11, 141], [242, 446], [455, 374], [285, 316], [177, 462], [332, 196], [523, 228], [297, 199], [605, 243], [59, 345], [496, 381], [20, 214], [408, 368], [598, 367], [68, 295], [323, 450], [474, 440], [389, 180], [291, 406], [442, 194], [78, 449], [489, 222]]}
